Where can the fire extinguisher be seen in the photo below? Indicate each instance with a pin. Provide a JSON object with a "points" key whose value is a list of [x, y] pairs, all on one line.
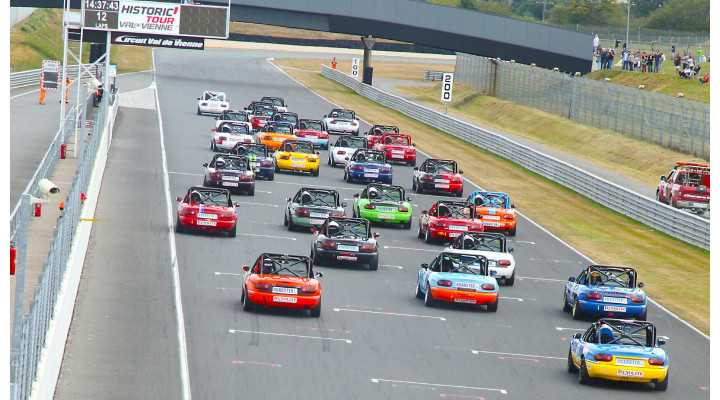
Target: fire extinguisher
{"points": [[13, 252], [38, 209], [63, 147]]}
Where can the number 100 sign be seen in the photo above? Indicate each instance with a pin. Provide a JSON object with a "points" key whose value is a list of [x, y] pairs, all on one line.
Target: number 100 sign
{"points": [[447, 83], [355, 68]]}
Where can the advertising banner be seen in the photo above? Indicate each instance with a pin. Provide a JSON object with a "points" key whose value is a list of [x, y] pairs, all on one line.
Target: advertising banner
{"points": [[171, 42]]}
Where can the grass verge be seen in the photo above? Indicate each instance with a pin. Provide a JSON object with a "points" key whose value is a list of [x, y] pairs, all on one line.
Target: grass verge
{"points": [[603, 235]]}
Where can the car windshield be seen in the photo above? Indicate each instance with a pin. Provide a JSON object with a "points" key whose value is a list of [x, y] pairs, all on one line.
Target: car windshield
{"points": [[300, 147], [240, 129], [383, 129], [438, 166], [372, 157], [343, 114], [235, 116], [285, 266], [311, 125], [276, 102], [257, 151], [397, 140], [347, 229], [622, 278], [288, 117], [389, 194], [453, 210], [233, 164], [481, 243], [496, 200], [281, 128], [462, 264], [214, 96], [352, 142], [212, 198], [317, 198], [625, 333]]}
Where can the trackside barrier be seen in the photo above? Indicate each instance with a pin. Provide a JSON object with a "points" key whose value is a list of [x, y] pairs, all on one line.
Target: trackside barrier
{"points": [[433, 76], [32, 77], [674, 222], [32, 346]]}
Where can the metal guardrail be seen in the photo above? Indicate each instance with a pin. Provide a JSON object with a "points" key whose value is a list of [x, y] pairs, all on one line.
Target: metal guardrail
{"points": [[32, 77], [433, 76], [674, 222]]}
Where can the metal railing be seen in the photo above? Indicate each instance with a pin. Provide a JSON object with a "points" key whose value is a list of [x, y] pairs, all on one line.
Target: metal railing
{"points": [[433, 76], [674, 222], [26, 350], [677, 124], [32, 77]]}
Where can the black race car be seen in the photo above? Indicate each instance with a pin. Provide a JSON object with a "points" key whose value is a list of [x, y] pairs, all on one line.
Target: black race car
{"points": [[345, 240]]}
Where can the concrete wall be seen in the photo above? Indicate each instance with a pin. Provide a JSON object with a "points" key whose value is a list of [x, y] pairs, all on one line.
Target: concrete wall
{"points": [[18, 14]]}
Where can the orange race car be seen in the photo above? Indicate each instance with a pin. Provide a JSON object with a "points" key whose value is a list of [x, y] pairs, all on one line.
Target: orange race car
{"points": [[282, 280], [273, 135], [495, 210]]}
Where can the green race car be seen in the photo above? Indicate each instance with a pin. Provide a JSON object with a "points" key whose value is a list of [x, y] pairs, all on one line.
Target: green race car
{"points": [[383, 203]]}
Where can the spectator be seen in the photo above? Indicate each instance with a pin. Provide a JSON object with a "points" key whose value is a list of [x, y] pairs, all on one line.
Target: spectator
{"points": [[596, 43], [677, 62], [43, 91], [649, 61], [662, 60], [684, 60], [699, 53], [603, 58], [631, 61], [624, 46], [598, 59], [690, 62], [656, 61], [704, 79], [672, 51], [643, 62], [611, 57], [626, 61]]}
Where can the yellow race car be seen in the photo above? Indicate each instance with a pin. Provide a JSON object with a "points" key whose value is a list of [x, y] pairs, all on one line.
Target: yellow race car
{"points": [[294, 155]]}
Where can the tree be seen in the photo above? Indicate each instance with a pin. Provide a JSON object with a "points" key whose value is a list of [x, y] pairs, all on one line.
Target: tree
{"points": [[682, 15], [496, 7], [469, 4], [588, 12], [643, 8]]}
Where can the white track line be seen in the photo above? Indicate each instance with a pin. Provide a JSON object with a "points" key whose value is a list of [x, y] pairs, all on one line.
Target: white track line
{"points": [[517, 355], [378, 380], [390, 313], [348, 341]]}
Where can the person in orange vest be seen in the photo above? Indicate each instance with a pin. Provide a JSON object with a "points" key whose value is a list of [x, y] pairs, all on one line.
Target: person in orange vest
{"points": [[334, 63], [67, 87], [43, 91]]}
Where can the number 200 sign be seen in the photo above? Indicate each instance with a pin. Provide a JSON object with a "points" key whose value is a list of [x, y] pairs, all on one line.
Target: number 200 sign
{"points": [[447, 84]]}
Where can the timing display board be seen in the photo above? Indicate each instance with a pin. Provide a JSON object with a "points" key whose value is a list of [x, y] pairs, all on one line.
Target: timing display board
{"points": [[156, 18]]}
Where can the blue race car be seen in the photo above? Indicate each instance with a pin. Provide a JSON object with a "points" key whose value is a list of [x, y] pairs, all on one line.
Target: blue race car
{"points": [[369, 166], [457, 278], [619, 350], [605, 291], [286, 118], [257, 153]]}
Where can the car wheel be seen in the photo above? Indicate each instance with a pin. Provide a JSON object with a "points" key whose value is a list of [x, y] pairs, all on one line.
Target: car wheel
{"points": [[413, 163], [285, 222], [277, 169], [672, 203], [178, 226], [251, 192], [583, 377], [428, 238], [374, 264], [199, 113], [233, 232], [459, 193], [212, 145], [355, 215], [513, 231], [576, 313], [316, 259], [247, 305], [657, 196], [330, 160], [316, 172], [429, 301], [565, 307], [271, 177], [315, 312], [492, 307], [643, 316], [419, 189], [205, 182], [291, 224], [408, 224], [418, 293], [389, 182], [420, 232], [570, 364], [664, 384], [511, 280]]}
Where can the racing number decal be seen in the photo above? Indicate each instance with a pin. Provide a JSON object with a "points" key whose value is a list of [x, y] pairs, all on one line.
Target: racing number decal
{"points": [[447, 84]]}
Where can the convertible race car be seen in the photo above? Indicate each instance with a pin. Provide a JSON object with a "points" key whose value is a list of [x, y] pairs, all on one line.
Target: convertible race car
{"points": [[273, 135], [493, 246], [231, 116], [435, 175], [495, 210], [605, 291], [212, 103], [297, 156], [345, 239], [286, 118], [368, 165], [311, 207], [344, 148], [250, 109], [383, 203], [342, 122], [446, 220], [282, 280], [310, 130], [277, 102], [207, 209], [257, 154], [228, 134], [457, 278], [230, 172], [619, 350], [397, 148], [375, 133], [261, 116]]}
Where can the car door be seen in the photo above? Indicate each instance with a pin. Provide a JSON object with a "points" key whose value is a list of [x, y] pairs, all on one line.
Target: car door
{"points": [[425, 277], [666, 186], [575, 287]]}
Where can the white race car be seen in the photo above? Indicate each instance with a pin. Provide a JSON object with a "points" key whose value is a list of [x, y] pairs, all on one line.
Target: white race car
{"points": [[343, 148], [491, 245], [212, 103], [232, 115], [229, 133], [342, 122]]}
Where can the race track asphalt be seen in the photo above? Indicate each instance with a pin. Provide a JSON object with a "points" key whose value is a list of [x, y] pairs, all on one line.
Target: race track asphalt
{"points": [[374, 340]]}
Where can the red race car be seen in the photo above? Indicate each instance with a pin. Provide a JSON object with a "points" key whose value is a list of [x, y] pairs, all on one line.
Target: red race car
{"points": [[446, 220], [210, 209], [397, 147], [376, 132], [435, 175], [310, 130], [282, 280]]}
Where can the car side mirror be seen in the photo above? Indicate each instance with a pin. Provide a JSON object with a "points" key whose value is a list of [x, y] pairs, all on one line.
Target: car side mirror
{"points": [[512, 205], [376, 235], [661, 342], [313, 230], [178, 199], [571, 279], [424, 212], [641, 285], [256, 170], [577, 336], [493, 273], [408, 199], [461, 172], [416, 169], [343, 204], [448, 244], [246, 268], [318, 274], [663, 178], [236, 204], [205, 165], [213, 130], [424, 266], [287, 199], [413, 145], [317, 152], [199, 98], [347, 158], [324, 116], [356, 195], [510, 250]]}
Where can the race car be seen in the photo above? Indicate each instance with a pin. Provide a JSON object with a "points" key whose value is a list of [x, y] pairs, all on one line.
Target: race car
{"points": [[344, 148], [230, 172], [310, 130], [232, 116], [376, 132], [687, 186], [273, 135], [435, 175], [619, 350], [446, 220], [286, 118], [297, 156], [260, 161], [457, 278], [341, 122], [495, 210], [250, 109], [261, 116], [607, 291], [397, 148], [282, 280], [310, 207], [383, 203], [493, 246], [368, 165], [209, 209], [345, 240], [277, 102], [212, 103], [228, 134]]}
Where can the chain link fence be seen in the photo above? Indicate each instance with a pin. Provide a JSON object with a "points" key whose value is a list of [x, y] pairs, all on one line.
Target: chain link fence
{"points": [[677, 124]]}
